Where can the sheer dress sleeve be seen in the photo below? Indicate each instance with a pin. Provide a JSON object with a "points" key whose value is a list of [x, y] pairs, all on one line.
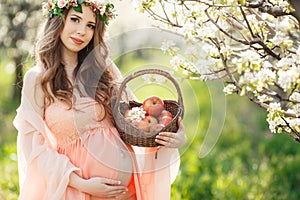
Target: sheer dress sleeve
{"points": [[43, 173]]}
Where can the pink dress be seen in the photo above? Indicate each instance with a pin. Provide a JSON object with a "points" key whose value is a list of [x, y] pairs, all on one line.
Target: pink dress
{"points": [[91, 144], [58, 141]]}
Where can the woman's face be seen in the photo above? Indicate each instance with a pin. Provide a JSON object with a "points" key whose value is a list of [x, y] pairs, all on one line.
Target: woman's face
{"points": [[78, 30]]}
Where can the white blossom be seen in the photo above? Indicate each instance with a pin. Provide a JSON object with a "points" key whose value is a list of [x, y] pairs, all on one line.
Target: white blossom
{"points": [[229, 89], [294, 123], [159, 79], [135, 114], [274, 119], [166, 45], [176, 61], [295, 109], [288, 78], [264, 98], [273, 124], [274, 106], [295, 96], [191, 50], [246, 78], [147, 78], [257, 71], [285, 63]]}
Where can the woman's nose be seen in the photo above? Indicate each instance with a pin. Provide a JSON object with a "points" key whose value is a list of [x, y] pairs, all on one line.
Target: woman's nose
{"points": [[81, 30]]}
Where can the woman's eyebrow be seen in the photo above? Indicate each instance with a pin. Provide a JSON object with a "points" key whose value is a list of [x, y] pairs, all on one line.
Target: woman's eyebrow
{"points": [[91, 22], [76, 16]]}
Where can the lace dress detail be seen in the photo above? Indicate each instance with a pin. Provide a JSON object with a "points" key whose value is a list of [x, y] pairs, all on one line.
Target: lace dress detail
{"points": [[91, 144]]}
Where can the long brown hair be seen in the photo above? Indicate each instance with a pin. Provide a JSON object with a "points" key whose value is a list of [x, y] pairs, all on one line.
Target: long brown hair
{"points": [[93, 78]]}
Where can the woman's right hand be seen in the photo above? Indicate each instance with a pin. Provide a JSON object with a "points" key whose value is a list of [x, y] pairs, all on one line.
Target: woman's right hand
{"points": [[104, 187], [98, 186]]}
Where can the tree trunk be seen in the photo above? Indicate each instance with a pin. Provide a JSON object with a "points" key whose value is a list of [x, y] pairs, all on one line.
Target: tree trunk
{"points": [[18, 78]]}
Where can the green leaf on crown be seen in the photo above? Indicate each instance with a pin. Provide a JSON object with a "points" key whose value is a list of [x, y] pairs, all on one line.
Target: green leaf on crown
{"points": [[104, 19], [78, 8]]}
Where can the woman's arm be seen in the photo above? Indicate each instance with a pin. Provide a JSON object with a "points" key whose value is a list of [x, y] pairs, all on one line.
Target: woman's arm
{"points": [[40, 167]]}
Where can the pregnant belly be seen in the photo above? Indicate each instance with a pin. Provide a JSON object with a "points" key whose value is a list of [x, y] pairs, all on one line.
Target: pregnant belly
{"points": [[126, 168], [115, 164], [121, 170]]}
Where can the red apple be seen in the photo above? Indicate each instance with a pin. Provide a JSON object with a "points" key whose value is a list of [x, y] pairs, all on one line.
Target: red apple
{"points": [[156, 127], [165, 120], [150, 120], [153, 105], [164, 113], [143, 125]]}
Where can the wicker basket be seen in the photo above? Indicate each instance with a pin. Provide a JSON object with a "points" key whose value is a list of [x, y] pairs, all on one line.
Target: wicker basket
{"points": [[131, 134]]}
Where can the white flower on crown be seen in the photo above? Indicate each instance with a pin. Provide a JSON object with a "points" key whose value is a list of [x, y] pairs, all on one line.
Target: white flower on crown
{"points": [[55, 7], [74, 3], [47, 7], [99, 5], [62, 3], [102, 10]]}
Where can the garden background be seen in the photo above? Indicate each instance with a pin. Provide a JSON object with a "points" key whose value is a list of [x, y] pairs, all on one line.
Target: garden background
{"points": [[247, 161]]}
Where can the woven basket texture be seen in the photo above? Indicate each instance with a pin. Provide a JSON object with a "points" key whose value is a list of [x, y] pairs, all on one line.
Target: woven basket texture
{"points": [[130, 133]]}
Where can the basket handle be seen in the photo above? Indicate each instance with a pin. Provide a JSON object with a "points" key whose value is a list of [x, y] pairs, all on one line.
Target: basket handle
{"points": [[151, 71]]}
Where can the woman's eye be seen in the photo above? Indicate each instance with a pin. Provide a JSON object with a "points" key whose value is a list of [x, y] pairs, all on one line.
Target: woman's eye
{"points": [[74, 19], [91, 26]]}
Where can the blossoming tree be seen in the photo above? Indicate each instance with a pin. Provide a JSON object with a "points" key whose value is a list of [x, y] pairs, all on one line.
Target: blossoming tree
{"points": [[252, 45]]}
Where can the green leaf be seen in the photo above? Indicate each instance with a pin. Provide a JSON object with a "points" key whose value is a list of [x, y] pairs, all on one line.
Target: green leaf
{"points": [[243, 91], [242, 2], [78, 8], [80, 1]]}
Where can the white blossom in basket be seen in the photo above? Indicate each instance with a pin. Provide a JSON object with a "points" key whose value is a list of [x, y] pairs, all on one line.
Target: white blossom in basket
{"points": [[135, 114]]}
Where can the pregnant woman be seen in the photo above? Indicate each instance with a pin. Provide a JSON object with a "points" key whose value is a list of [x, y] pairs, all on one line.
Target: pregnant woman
{"points": [[68, 146]]}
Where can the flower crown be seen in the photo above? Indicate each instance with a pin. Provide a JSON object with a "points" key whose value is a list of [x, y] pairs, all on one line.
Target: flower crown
{"points": [[56, 7]]}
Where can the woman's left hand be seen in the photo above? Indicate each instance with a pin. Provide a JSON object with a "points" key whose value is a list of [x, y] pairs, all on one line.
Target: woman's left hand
{"points": [[170, 139]]}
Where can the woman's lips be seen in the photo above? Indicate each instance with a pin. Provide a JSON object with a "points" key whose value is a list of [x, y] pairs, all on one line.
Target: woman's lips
{"points": [[77, 40]]}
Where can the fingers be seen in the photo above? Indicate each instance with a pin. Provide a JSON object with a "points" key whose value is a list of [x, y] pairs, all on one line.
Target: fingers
{"points": [[114, 186], [111, 181], [170, 139], [115, 190], [115, 194], [167, 139]]}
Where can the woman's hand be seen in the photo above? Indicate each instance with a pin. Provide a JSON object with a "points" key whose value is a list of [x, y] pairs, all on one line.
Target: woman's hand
{"points": [[170, 139], [97, 186], [104, 188]]}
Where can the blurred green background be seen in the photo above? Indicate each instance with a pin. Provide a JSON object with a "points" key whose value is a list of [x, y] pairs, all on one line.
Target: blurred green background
{"points": [[247, 162]]}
